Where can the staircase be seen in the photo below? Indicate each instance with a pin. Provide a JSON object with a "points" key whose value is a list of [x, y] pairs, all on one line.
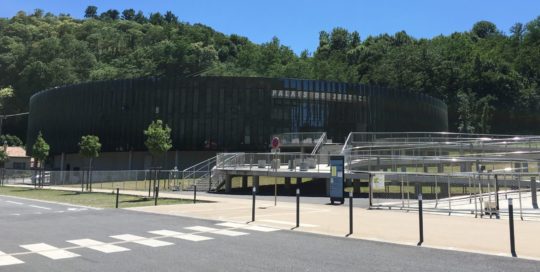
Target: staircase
{"points": [[199, 175]]}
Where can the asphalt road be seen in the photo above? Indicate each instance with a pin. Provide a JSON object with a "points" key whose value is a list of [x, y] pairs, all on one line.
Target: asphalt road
{"points": [[147, 242]]}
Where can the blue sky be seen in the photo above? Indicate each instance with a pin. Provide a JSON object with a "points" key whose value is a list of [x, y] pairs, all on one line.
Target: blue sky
{"points": [[297, 22]]}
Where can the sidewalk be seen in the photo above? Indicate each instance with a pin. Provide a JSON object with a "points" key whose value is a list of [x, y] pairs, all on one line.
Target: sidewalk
{"points": [[489, 236]]}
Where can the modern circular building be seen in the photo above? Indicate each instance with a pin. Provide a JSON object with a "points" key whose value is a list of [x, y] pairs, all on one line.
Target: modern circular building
{"points": [[212, 114]]}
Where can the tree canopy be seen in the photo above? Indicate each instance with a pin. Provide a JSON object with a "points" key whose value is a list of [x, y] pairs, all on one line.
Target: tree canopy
{"points": [[90, 146], [497, 74], [158, 138], [40, 149]]}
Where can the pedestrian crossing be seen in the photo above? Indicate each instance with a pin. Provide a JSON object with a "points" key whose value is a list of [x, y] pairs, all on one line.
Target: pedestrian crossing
{"points": [[121, 242]]}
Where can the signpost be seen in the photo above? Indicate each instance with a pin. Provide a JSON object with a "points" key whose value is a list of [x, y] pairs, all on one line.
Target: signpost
{"points": [[337, 177]]}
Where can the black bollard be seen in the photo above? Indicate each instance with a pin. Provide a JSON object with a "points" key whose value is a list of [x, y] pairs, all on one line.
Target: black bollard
{"points": [[297, 207], [195, 194], [533, 193], [497, 188], [511, 222], [156, 194], [117, 196], [253, 205], [350, 212], [420, 220]]}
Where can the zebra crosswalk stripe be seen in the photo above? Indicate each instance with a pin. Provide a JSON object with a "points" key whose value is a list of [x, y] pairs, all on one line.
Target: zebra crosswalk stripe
{"points": [[180, 235], [8, 260], [49, 251], [97, 245], [217, 231], [141, 240], [247, 227]]}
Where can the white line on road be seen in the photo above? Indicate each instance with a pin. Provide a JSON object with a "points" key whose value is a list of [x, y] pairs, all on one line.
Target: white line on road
{"points": [[141, 240], [8, 260], [14, 202], [52, 202], [247, 227], [288, 223], [97, 245], [217, 231], [49, 251], [40, 207], [180, 235]]}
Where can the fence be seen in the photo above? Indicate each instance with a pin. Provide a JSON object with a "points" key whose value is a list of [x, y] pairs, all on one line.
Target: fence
{"points": [[126, 180]]}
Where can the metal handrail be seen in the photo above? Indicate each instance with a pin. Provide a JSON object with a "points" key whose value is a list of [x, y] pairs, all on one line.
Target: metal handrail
{"points": [[320, 142]]}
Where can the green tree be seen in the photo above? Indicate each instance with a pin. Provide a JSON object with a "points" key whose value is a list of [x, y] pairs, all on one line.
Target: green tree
{"points": [[158, 138], [158, 141], [89, 147], [11, 140], [3, 160], [111, 14], [40, 151], [128, 14], [90, 12], [169, 17], [5, 93]]}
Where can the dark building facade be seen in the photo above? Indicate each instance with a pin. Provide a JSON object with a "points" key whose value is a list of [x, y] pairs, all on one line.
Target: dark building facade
{"points": [[222, 113]]}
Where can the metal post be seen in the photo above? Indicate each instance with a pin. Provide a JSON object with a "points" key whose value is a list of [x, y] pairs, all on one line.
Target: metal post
{"points": [[194, 193], [297, 207], [253, 205], [511, 222], [150, 184], [519, 194], [420, 220], [497, 193], [117, 196], [350, 212], [370, 191], [533, 193], [156, 192], [449, 196]]}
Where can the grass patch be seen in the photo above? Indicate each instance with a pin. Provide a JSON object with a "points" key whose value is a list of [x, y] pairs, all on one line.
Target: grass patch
{"points": [[97, 200]]}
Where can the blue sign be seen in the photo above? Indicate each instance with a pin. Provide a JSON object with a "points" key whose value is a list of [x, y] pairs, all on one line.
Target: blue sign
{"points": [[337, 177]]}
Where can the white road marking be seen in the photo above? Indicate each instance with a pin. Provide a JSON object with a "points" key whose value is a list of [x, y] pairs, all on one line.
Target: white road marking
{"points": [[247, 227], [8, 260], [180, 235], [16, 214], [40, 207], [49, 251], [217, 231], [97, 245], [141, 240], [77, 209], [201, 228], [288, 223], [53, 202], [14, 202]]}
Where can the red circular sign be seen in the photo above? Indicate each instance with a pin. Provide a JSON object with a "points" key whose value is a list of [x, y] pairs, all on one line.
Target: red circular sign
{"points": [[275, 142]]}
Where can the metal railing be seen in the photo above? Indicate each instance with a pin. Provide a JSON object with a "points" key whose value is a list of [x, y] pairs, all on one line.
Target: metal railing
{"points": [[320, 142]]}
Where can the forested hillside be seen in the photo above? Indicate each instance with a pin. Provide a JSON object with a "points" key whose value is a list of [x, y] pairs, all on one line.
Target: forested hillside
{"points": [[489, 77]]}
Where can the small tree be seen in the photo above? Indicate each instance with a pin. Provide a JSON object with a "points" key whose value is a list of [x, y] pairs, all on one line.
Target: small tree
{"points": [[40, 151], [89, 148], [3, 159], [158, 141]]}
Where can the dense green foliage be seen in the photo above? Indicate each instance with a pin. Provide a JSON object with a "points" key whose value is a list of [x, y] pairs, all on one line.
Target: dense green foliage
{"points": [[90, 146], [158, 138], [11, 140], [489, 79], [3, 156], [40, 149]]}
